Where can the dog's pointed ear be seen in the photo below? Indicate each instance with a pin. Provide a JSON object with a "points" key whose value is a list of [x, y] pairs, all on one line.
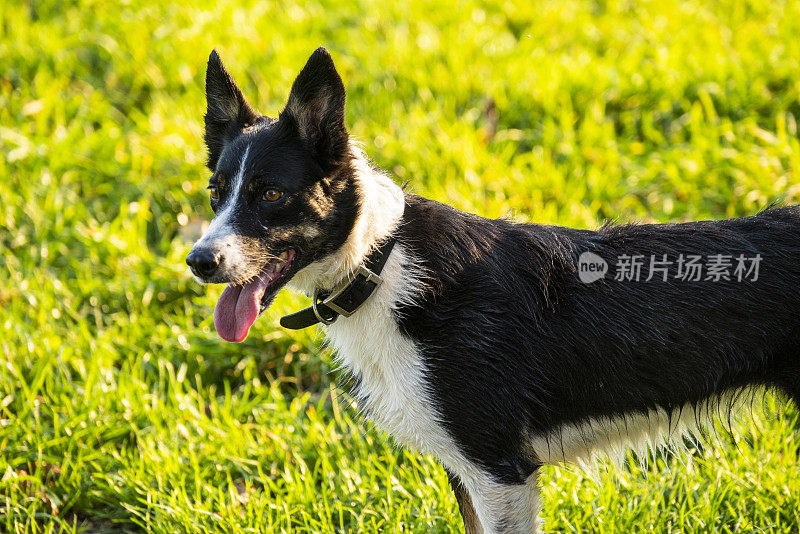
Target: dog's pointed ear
{"points": [[316, 109], [227, 110]]}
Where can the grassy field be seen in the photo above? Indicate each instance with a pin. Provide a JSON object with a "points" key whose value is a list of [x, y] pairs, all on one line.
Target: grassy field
{"points": [[122, 411]]}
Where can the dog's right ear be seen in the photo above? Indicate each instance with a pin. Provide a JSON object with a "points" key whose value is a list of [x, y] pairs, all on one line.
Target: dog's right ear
{"points": [[316, 109], [227, 111]]}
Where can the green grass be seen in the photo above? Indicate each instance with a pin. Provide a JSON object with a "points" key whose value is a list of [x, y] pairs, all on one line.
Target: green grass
{"points": [[120, 409]]}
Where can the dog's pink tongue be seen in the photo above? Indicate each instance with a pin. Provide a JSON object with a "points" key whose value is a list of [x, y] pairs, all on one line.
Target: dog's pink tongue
{"points": [[237, 309]]}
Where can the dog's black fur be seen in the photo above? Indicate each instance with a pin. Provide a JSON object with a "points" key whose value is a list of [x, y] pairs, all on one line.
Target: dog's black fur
{"points": [[512, 343], [536, 348]]}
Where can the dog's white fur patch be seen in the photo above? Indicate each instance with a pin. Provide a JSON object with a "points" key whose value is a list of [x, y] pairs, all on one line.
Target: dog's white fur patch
{"points": [[220, 235], [508, 509], [369, 343], [646, 434], [391, 387]]}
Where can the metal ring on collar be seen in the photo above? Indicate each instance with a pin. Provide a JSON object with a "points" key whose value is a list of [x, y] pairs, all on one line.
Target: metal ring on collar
{"points": [[319, 316]]}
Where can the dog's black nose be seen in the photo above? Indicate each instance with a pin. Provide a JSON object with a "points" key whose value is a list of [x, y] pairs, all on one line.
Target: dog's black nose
{"points": [[203, 262]]}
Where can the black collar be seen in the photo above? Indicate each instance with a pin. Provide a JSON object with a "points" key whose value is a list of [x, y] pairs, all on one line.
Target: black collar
{"points": [[328, 306]]}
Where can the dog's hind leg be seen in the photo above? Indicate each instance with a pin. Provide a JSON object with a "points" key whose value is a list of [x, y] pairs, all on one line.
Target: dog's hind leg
{"points": [[505, 508], [471, 523]]}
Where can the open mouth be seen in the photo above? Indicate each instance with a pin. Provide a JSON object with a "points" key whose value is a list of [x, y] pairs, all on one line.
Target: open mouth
{"points": [[240, 304]]}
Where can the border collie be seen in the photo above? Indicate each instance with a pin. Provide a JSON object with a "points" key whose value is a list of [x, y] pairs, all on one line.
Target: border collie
{"points": [[496, 347]]}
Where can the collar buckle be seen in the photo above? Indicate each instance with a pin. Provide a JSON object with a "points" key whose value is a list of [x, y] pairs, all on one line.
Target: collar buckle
{"points": [[367, 276], [348, 298]]}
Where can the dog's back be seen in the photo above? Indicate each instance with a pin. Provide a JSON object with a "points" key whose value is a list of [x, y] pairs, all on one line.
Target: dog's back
{"points": [[521, 326]]}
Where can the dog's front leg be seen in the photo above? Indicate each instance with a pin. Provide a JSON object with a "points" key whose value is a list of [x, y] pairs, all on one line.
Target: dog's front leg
{"points": [[471, 523], [498, 508]]}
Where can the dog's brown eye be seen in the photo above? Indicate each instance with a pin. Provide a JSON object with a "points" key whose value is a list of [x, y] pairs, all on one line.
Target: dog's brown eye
{"points": [[271, 195], [213, 193]]}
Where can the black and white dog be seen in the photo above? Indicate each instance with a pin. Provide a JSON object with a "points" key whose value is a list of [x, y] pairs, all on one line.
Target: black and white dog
{"points": [[494, 346]]}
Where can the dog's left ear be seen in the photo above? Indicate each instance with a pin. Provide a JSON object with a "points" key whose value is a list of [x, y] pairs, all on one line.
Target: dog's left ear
{"points": [[228, 111], [316, 109]]}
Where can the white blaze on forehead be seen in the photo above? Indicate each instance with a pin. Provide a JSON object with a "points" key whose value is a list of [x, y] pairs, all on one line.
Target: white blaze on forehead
{"points": [[220, 227], [238, 181]]}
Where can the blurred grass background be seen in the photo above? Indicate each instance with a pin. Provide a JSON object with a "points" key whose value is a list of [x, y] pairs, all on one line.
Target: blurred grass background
{"points": [[121, 410]]}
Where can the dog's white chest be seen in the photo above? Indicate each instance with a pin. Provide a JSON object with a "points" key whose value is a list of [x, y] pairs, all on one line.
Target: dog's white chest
{"points": [[390, 376], [389, 368]]}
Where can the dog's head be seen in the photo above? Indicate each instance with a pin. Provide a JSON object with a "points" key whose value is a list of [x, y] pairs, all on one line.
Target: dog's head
{"points": [[283, 190]]}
